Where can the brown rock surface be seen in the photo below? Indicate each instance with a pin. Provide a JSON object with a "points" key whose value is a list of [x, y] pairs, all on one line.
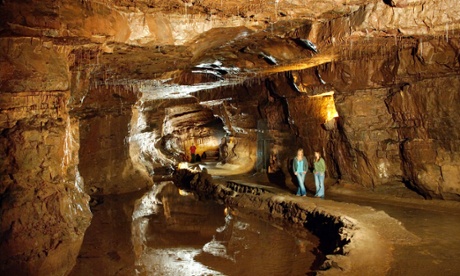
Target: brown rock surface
{"points": [[105, 156], [44, 212], [97, 96]]}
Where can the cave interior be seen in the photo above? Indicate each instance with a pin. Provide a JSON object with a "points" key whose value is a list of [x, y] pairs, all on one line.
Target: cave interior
{"points": [[105, 98]]}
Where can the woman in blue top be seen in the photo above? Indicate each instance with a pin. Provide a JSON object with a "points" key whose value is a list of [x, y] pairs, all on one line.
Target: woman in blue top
{"points": [[300, 167]]}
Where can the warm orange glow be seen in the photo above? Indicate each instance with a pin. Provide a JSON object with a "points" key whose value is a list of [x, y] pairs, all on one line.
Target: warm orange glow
{"points": [[183, 193], [331, 112], [329, 93], [304, 64], [329, 105]]}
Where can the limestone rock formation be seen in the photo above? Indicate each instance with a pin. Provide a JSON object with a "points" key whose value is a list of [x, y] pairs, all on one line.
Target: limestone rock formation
{"points": [[96, 97], [44, 211]]}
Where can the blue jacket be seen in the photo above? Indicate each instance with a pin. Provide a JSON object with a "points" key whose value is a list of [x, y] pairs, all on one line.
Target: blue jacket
{"points": [[305, 164]]}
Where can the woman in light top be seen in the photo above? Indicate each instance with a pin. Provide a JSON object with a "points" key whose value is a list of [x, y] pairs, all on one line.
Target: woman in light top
{"points": [[320, 170], [300, 167]]}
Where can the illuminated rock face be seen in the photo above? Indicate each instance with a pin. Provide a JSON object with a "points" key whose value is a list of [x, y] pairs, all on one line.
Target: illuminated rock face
{"points": [[44, 209], [98, 96]]}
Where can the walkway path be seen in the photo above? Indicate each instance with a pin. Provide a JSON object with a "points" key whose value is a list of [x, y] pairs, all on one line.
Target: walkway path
{"points": [[435, 222]]}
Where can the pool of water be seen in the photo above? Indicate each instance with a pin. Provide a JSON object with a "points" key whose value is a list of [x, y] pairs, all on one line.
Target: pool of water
{"points": [[168, 232], [184, 236]]}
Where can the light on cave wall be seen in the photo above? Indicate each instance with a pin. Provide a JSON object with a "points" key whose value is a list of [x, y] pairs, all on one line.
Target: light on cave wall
{"points": [[183, 165], [329, 112], [183, 192], [205, 144], [190, 167]]}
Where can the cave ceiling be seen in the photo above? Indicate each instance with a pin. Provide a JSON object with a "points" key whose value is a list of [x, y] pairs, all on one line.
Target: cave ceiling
{"points": [[169, 49]]}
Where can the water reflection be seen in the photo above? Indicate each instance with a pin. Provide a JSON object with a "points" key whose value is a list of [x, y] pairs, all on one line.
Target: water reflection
{"points": [[172, 231], [178, 235]]}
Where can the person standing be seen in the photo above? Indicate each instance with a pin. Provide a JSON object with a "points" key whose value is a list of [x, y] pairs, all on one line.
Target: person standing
{"points": [[300, 167], [192, 152], [319, 171]]}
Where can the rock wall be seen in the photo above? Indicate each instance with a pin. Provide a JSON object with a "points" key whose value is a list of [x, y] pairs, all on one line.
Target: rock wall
{"points": [[61, 138], [106, 161], [425, 114], [44, 211], [396, 102]]}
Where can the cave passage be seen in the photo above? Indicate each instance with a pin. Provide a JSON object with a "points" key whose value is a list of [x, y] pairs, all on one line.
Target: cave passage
{"points": [[101, 103]]}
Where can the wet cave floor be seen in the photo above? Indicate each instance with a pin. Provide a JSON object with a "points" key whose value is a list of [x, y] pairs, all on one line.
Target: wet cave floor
{"points": [[169, 232]]}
